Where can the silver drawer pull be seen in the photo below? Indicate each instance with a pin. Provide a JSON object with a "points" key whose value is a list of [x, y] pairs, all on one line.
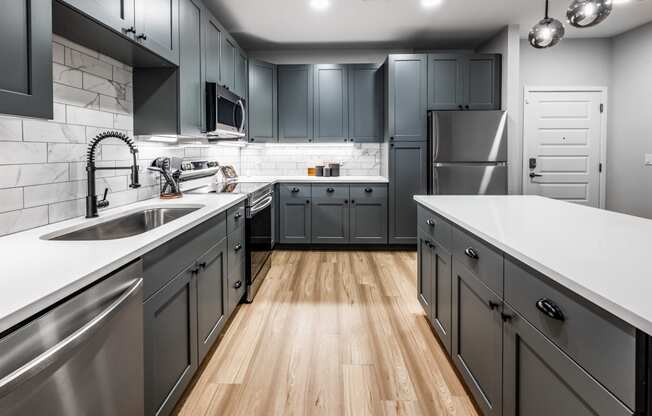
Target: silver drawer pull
{"points": [[470, 252], [237, 247], [430, 222], [237, 284], [548, 308]]}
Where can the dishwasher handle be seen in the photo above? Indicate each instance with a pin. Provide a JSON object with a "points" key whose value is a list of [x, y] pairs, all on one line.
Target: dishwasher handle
{"points": [[64, 348]]}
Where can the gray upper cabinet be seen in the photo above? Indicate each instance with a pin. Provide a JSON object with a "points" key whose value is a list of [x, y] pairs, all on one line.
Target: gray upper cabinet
{"points": [[170, 318], [211, 297], [191, 67], [157, 27], [241, 75], [214, 35], [295, 103], [295, 213], [116, 14], [331, 119], [330, 214], [262, 102], [445, 86], [407, 97], [228, 52], [368, 214], [408, 166], [482, 82], [540, 380], [26, 48], [366, 99], [477, 339]]}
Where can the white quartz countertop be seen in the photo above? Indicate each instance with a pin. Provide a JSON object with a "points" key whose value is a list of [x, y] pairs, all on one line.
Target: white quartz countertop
{"points": [[602, 256], [315, 179], [36, 273]]}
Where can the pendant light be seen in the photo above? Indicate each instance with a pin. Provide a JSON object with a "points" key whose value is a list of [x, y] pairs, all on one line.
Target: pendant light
{"points": [[548, 32], [587, 13]]}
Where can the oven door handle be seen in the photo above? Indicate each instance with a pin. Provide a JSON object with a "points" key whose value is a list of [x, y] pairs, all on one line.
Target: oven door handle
{"points": [[259, 206]]}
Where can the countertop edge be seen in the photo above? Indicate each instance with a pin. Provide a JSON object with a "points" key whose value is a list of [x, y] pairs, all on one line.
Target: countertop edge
{"points": [[615, 309], [45, 302]]}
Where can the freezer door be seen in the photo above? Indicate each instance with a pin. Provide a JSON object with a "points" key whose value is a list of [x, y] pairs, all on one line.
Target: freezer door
{"points": [[469, 179], [468, 136]]}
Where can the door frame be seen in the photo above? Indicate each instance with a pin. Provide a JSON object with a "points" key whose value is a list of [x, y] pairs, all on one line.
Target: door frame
{"points": [[602, 174]]}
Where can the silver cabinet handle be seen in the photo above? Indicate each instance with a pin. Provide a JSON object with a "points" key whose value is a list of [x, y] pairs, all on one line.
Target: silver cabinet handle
{"points": [[470, 252], [430, 222], [65, 347]]}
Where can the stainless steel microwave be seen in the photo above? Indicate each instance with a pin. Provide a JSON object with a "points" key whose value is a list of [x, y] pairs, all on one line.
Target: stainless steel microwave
{"points": [[226, 113]]}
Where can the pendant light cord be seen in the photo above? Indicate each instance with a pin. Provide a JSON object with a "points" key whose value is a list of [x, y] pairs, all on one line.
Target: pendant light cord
{"points": [[547, 10]]}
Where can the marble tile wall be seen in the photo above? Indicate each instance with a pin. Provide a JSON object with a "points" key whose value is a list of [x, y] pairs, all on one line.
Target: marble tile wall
{"points": [[285, 159], [42, 162]]}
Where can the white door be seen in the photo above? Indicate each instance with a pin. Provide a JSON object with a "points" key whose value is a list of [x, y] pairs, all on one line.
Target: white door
{"points": [[562, 145]]}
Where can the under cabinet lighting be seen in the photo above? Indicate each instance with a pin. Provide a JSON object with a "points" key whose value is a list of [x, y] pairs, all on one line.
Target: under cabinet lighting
{"points": [[430, 3], [162, 139], [320, 4]]}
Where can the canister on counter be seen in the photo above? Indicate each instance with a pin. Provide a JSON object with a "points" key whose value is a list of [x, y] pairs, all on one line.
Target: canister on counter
{"points": [[319, 170], [335, 169], [327, 171]]}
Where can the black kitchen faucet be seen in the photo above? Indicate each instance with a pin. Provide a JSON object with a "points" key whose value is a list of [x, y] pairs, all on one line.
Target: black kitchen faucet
{"points": [[92, 203]]}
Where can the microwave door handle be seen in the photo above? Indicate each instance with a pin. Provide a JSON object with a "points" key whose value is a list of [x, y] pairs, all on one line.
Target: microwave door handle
{"points": [[244, 116]]}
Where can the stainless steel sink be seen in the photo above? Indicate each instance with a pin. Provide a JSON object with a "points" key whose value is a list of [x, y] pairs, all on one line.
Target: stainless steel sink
{"points": [[127, 226]]}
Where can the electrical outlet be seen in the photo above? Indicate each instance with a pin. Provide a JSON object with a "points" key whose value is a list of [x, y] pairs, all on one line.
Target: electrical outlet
{"points": [[648, 159]]}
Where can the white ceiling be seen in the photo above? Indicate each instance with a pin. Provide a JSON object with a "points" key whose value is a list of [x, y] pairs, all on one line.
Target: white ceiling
{"points": [[277, 24]]}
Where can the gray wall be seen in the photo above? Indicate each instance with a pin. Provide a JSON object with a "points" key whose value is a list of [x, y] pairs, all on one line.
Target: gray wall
{"points": [[507, 43], [629, 182]]}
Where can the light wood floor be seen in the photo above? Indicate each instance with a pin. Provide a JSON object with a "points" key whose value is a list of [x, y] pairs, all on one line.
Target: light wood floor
{"points": [[330, 333]]}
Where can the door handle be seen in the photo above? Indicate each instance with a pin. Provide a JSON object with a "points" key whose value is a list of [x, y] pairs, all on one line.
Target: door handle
{"points": [[237, 285], [470, 252], [430, 222], [493, 305], [535, 175], [142, 36], [330, 190], [548, 308], [237, 247], [295, 190], [368, 190]]}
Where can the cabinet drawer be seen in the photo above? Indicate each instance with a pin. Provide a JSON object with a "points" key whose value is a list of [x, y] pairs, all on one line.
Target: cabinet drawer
{"points": [[289, 191], [236, 247], [435, 227], [235, 217], [236, 286], [331, 191], [602, 344], [163, 263], [483, 260], [363, 192]]}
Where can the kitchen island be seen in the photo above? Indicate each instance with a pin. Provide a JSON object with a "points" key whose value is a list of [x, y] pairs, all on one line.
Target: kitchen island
{"points": [[542, 305]]}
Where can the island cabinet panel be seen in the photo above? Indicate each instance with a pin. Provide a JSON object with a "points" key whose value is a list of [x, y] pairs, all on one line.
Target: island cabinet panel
{"points": [[477, 349], [424, 273], [602, 344], [480, 258], [442, 287], [540, 380]]}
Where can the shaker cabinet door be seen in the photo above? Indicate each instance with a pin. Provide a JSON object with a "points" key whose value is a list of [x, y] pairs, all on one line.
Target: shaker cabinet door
{"points": [[295, 101], [407, 97], [482, 82], [26, 49], [262, 102], [366, 99], [331, 112], [211, 299], [157, 27], [116, 14], [445, 85]]}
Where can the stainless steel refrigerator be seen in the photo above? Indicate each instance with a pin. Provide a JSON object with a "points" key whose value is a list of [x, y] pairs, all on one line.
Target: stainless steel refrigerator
{"points": [[468, 152]]}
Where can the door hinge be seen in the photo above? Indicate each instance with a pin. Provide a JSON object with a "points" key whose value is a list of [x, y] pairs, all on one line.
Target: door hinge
{"points": [[601, 108], [600, 167]]}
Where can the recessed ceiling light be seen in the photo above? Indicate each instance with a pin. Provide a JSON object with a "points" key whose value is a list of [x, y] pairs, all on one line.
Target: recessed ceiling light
{"points": [[320, 4], [430, 3]]}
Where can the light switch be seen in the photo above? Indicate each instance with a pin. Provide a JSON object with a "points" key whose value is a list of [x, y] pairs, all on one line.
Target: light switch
{"points": [[648, 159]]}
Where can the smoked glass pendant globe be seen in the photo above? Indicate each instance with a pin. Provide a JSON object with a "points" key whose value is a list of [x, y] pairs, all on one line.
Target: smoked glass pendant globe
{"points": [[548, 32], [587, 13]]}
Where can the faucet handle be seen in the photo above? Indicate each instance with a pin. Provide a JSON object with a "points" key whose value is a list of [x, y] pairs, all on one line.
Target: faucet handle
{"points": [[104, 202]]}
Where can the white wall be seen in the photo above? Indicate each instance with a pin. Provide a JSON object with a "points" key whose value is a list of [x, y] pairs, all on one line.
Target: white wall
{"points": [[506, 42], [629, 182]]}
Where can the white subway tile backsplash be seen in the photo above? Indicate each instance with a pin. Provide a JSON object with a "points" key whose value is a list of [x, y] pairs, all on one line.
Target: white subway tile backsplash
{"points": [[11, 129], [122, 76], [54, 192], [65, 210], [37, 174], [122, 121], [15, 153], [88, 64], [74, 96], [14, 221], [58, 53], [66, 152], [46, 131], [66, 75], [113, 105], [72, 45], [59, 111], [103, 86], [11, 199], [88, 117]]}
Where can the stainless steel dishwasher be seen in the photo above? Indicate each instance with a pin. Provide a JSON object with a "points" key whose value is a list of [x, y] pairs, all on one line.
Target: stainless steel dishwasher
{"points": [[84, 356]]}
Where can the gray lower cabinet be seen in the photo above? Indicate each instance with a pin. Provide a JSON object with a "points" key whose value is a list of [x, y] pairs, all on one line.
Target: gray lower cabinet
{"points": [[408, 167], [157, 27], [191, 67], [295, 103], [170, 318], [366, 99], [540, 380], [26, 48], [330, 214], [368, 214], [262, 102], [211, 276], [477, 338], [407, 97], [295, 213], [331, 111]]}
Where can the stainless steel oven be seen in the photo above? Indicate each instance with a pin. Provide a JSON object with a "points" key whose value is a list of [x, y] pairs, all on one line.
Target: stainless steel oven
{"points": [[259, 244], [226, 113]]}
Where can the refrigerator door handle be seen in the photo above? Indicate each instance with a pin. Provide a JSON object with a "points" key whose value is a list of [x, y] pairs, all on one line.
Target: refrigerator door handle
{"points": [[435, 180], [434, 128]]}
